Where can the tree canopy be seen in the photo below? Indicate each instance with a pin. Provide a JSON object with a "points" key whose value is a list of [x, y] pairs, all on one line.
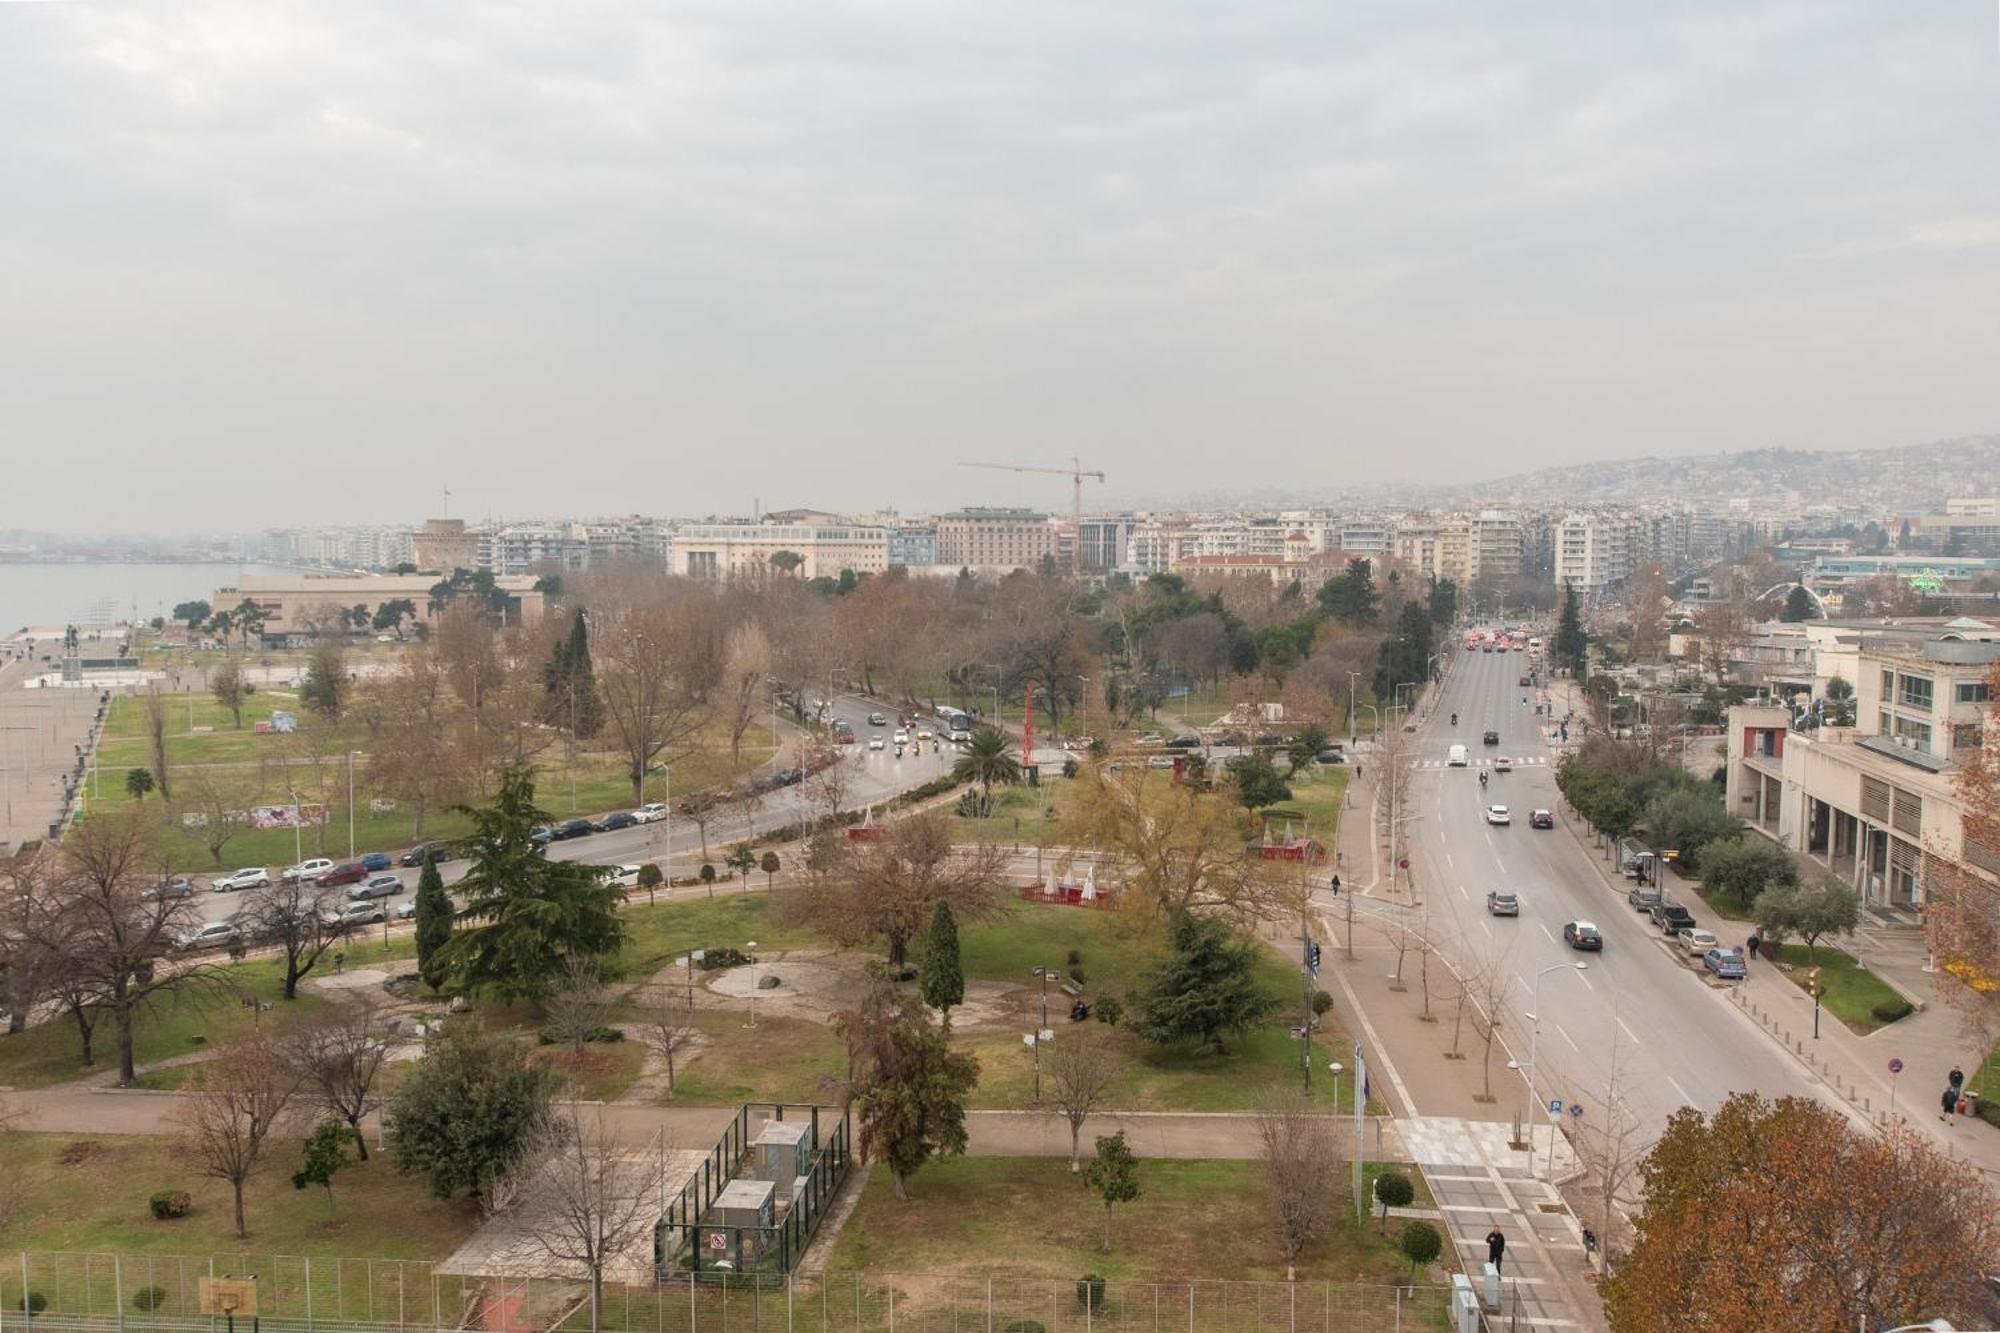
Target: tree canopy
{"points": [[1206, 989]]}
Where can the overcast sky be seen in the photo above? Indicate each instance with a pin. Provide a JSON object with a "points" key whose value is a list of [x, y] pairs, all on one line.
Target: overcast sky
{"points": [[265, 261]]}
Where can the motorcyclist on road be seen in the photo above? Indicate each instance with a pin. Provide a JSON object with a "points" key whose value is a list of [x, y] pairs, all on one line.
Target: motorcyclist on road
{"points": [[1482, 780], [1454, 719]]}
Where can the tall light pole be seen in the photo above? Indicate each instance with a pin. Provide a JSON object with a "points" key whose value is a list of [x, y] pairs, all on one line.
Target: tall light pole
{"points": [[350, 805], [1043, 973], [1352, 676], [1534, 1039]]}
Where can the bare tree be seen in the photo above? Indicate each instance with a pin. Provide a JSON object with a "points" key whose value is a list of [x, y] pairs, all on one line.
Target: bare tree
{"points": [[212, 802], [825, 791], [301, 918], [1485, 982], [231, 1105], [338, 1056], [110, 936], [1301, 1156], [667, 1027], [413, 752], [1611, 1147], [156, 737], [579, 1002], [587, 1203], [888, 890], [1081, 1073], [745, 669], [652, 687]]}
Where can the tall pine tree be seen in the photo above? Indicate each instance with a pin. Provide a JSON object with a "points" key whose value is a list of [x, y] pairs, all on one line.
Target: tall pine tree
{"points": [[942, 975], [1571, 646], [433, 923], [571, 685], [1206, 989]]}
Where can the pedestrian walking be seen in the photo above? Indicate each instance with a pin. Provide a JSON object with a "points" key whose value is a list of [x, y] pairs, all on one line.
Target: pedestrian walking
{"points": [[1754, 945], [1336, 886], [1496, 1247], [1950, 1106]]}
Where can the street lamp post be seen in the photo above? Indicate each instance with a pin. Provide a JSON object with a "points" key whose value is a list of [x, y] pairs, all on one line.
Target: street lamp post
{"points": [[1334, 1067], [752, 947], [1043, 973], [350, 805], [1534, 1038]]}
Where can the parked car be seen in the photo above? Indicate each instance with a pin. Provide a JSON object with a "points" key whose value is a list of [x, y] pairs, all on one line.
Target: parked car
{"points": [[540, 835], [1541, 819], [1525, 682], [376, 886], [347, 872], [439, 853], [627, 875], [1583, 935], [572, 828], [168, 889], [1330, 757], [1726, 964], [250, 877], [1152, 738], [617, 819], [312, 868], [1497, 814], [214, 935], [1502, 904], [1490, 738], [407, 911], [361, 912], [1184, 743], [1697, 941], [374, 861], [650, 813], [1673, 918], [1645, 899]]}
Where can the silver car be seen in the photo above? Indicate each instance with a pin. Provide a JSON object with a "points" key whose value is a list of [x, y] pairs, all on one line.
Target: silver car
{"points": [[375, 886], [251, 877]]}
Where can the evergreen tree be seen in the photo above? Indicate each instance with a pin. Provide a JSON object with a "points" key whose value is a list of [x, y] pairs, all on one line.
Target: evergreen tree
{"points": [[1114, 1174], [910, 1088], [324, 1155], [470, 1110], [942, 975], [570, 684], [1571, 647], [434, 918], [1444, 602], [1350, 595], [1205, 989], [1798, 605], [525, 915]]}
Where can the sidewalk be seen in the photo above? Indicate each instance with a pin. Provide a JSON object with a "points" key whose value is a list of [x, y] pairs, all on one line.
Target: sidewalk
{"points": [[1462, 1141]]}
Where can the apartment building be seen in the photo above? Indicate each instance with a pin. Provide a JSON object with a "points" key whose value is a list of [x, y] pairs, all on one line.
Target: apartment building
{"points": [[1876, 803], [1368, 537], [733, 550], [1594, 551], [979, 538], [912, 544]]}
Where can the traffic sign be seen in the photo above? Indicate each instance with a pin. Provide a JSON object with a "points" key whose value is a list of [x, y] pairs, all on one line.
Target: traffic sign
{"points": [[1896, 1066], [1555, 1106], [1576, 1110]]}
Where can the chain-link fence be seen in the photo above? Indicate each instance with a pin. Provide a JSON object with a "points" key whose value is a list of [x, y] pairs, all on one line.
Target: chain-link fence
{"points": [[138, 1292]]}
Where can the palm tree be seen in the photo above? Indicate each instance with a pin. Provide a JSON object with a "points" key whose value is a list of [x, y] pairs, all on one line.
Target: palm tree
{"points": [[986, 762]]}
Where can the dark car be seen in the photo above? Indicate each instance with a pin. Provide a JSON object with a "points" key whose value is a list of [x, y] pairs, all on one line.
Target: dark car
{"points": [[374, 861], [617, 820], [1541, 819], [1330, 757], [1490, 738], [572, 828], [1672, 918], [1583, 935], [1524, 680], [439, 852], [347, 872], [1184, 743]]}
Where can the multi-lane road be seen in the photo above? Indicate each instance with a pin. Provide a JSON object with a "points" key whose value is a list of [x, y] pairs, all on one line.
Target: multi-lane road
{"points": [[1674, 1038]]}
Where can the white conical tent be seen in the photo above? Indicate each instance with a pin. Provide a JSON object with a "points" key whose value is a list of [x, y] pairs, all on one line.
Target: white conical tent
{"points": [[1090, 884]]}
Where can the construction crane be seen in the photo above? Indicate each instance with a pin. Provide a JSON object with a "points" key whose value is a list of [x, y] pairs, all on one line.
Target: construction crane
{"points": [[1076, 472]]}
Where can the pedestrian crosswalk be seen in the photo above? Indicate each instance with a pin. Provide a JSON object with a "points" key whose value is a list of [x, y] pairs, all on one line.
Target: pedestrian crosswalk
{"points": [[1483, 762]]}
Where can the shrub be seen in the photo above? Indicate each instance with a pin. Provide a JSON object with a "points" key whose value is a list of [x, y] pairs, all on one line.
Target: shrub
{"points": [[1026, 1326], [1892, 1011], [34, 1302], [171, 1203], [1321, 1003], [714, 959], [1988, 1110], [147, 1299], [1393, 1190], [1075, 959], [1109, 1010], [1090, 1291], [1069, 768], [554, 1036]]}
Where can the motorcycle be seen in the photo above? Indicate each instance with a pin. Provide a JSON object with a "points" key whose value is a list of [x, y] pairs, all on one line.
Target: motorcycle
{"points": [[1454, 719]]}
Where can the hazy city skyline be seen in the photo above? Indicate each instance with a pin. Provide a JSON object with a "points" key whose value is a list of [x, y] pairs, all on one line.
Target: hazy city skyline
{"points": [[275, 264]]}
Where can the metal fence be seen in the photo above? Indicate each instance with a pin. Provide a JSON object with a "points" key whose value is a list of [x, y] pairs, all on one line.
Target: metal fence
{"points": [[139, 1292]]}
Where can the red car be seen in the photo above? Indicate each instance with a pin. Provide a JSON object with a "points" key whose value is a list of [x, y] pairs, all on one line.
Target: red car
{"points": [[347, 872]]}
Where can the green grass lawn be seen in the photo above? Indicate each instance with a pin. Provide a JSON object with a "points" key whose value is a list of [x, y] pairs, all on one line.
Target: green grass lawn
{"points": [[604, 1072], [90, 1192], [1852, 991], [1021, 816], [1027, 1218], [781, 1059]]}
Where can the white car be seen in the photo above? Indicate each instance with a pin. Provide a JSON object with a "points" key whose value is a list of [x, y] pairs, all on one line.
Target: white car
{"points": [[875, 742], [250, 877], [902, 737], [924, 734], [1497, 814], [1502, 764], [650, 813], [214, 935], [312, 868], [1697, 941], [622, 874]]}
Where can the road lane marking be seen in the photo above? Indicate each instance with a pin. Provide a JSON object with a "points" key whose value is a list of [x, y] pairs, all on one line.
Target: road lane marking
{"points": [[1585, 979], [1682, 1091], [1566, 1037], [1629, 1033], [1463, 894], [1546, 931]]}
